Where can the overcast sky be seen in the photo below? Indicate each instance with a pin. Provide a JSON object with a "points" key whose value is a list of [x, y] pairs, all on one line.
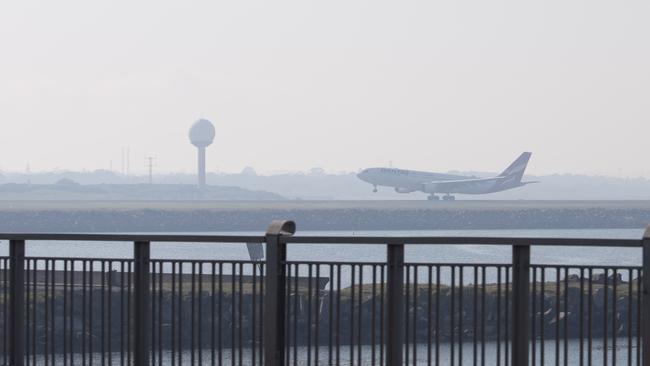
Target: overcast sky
{"points": [[432, 85]]}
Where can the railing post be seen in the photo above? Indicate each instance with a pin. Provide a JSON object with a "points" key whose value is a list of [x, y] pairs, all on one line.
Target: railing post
{"points": [[142, 308], [645, 300], [274, 298], [16, 302], [395, 305], [520, 304]]}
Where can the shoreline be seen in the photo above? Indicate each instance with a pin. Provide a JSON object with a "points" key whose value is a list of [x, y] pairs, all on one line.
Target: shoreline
{"points": [[210, 216]]}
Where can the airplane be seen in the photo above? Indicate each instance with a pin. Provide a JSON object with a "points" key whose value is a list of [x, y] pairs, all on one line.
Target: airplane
{"points": [[407, 181]]}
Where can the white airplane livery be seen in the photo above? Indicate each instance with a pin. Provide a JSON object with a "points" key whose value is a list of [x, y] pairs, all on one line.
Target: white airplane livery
{"points": [[407, 181]]}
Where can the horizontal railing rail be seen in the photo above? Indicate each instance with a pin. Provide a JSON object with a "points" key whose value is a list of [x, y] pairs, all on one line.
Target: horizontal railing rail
{"points": [[410, 240], [390, 312]]}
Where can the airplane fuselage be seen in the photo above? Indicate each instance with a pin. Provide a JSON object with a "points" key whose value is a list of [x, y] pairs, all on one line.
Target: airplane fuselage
{"points": [[407, 181]]}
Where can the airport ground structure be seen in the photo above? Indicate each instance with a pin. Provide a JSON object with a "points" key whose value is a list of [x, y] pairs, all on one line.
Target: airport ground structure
{"points": [[142, 310]]}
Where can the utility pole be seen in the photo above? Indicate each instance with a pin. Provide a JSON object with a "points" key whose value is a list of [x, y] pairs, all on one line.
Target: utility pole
{"points": [[150, 165]]}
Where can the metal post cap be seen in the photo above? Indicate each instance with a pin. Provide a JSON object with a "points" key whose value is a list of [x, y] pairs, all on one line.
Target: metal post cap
{"points": [[281, 227]]}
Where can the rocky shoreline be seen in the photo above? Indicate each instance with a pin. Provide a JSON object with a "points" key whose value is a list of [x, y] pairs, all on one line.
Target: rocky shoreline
{"points": [[429, 315]]}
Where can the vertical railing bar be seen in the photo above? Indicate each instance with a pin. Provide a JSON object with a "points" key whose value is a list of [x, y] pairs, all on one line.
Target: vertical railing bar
{"points": [[645, 311], [330, 311], [373, 327], [261, 314], [34, 290], [407, 305], [452, 315], [533, 317], [438, 315], [83, 312], [415, 314], [141, 291], [254, 315], [65, 308], [360, 317], [16, 302], [317, 320], [352, 322], [240, 315], [582, 315], [507, 316], [200, 312], [557, 315], [46, 321], [193, 322], [220, 312], [605, 314], [542, 343], [460, 314], [161, 267], [275, 283], [27, 296], [429, 313], [180, 313], [614, 316], [173, 315], [395, 304], [71, 312], [52, 309], [629, 317], [102, 307], [287, 301], [294, 322], [213, 316], [122, 311], [498, 356], [129, 289], [520, 303], [483, 314], [639, 293], [154, 339], [382, 318], [589, 316], [338, 314], [475, 318], [566, 316], [309, 315], [5, 316]]}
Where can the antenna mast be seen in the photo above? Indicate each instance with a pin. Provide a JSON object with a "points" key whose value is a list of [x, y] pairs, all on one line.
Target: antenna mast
{"points": [[150, 165]]}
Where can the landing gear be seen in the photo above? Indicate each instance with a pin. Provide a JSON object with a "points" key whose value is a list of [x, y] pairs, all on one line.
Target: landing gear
{"points": [[374, 190], [433, 197], [448, 197]]}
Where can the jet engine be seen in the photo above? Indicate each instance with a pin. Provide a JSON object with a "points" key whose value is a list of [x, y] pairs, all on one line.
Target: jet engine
{"points": [[404, 190]]}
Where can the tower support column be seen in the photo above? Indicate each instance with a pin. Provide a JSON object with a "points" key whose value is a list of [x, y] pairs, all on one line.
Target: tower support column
{"points": [[201, 167]]}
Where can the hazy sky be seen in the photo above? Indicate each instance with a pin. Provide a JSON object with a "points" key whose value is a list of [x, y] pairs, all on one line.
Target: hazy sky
{"points": [[435, 85]]}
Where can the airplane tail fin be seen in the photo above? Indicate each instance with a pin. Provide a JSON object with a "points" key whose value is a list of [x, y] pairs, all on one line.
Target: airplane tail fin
{"points": [[516, 170]]}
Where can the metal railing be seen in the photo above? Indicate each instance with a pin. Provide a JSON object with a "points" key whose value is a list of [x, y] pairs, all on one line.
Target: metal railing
{"points": [[142, 311]]}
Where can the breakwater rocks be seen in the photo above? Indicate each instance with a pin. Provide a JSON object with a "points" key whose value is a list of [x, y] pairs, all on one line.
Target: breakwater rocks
{"points": [[351, 316], [169, 216]]}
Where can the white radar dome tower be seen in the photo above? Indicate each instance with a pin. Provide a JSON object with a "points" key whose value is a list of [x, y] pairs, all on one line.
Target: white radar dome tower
{"points": [[202, 135]]}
